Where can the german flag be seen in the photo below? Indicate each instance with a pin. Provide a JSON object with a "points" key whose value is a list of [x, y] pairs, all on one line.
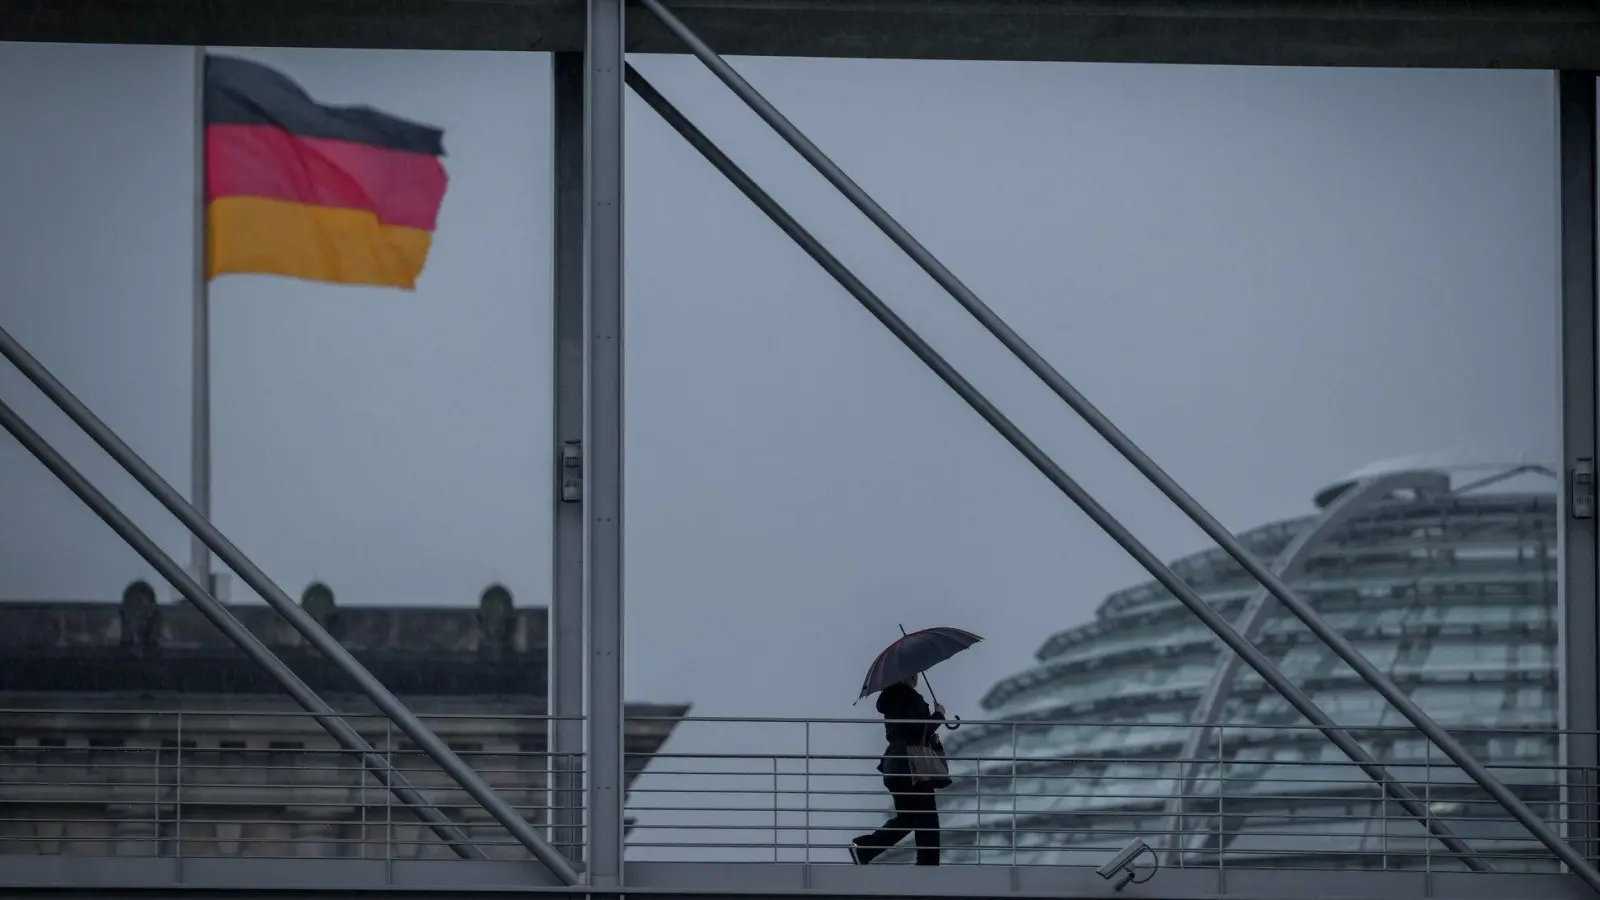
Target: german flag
{"points": [[343, 194]]}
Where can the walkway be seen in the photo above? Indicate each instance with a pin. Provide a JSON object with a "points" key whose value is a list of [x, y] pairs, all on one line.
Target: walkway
{"points": [[168, 806]]}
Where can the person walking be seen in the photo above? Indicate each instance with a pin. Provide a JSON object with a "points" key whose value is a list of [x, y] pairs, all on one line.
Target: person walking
{"points": [[909, 727]]}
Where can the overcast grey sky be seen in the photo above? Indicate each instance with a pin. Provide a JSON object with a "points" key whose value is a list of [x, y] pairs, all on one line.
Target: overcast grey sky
{"points": [[1266, 277]]}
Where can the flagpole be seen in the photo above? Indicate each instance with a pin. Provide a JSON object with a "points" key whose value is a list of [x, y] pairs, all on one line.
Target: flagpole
{"points": [[200, 421]]}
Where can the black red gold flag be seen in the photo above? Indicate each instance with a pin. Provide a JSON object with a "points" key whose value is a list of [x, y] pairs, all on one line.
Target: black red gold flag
{"points": [[344, 194]]}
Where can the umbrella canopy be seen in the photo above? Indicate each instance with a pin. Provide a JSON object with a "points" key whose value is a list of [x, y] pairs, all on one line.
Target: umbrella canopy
{"points": [[914, 654]]}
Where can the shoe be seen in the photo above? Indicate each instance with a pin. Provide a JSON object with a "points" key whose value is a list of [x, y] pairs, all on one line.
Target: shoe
{"points": [[855, 854]]}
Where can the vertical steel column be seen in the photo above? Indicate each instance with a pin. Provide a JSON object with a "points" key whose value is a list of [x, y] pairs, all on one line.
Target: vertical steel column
{"points": [[1580, 633], [566, 552], [603, 325]]}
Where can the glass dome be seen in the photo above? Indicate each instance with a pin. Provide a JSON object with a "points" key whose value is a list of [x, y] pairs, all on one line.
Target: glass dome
{"points": [[1443, 575]]}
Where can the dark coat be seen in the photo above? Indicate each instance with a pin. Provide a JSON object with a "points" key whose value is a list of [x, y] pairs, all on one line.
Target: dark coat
{"points": [[919, 725]]}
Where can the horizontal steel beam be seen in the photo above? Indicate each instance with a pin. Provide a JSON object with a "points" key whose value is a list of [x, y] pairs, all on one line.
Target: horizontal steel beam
{"points": [[105, 878], [1512, 34]]}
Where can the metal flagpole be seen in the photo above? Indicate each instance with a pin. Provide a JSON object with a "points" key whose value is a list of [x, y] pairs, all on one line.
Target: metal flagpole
{"points": [[1052, 470], [200, 398]]}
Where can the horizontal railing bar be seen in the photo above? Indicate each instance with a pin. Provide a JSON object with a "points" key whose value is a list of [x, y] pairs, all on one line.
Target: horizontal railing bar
{"points": [[174, 712], [1103, 832], [771, 720], [768, 810]]}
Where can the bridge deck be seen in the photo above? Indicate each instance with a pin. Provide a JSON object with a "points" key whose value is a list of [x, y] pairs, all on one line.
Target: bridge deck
{"points": [[681, 879]]}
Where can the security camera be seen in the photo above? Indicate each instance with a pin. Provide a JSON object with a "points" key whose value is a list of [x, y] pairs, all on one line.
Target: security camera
{"points": [[1120, 867]]}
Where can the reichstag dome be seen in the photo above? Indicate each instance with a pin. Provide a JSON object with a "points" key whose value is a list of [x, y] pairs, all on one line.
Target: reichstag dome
{"points": [[1442, 572]]}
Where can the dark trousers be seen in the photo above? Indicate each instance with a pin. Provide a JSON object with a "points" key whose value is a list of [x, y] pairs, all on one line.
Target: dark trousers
{"points": [[915, 812]]}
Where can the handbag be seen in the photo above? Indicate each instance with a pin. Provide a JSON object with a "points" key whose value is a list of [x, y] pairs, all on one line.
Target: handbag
{"points": [[927, 766]]}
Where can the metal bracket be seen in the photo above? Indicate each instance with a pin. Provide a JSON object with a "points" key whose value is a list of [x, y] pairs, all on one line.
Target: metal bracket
{"points": [[1580, 486], [572, 472]]}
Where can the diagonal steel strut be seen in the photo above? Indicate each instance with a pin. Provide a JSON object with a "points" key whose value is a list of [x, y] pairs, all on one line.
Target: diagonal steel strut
{"points": [[428, 742], [218, 614], [1097, 420], [1052, 471]]}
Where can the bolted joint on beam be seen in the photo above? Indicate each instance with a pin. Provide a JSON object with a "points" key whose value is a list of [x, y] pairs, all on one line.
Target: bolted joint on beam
{"points": [[571, 474], [1580, 487]]}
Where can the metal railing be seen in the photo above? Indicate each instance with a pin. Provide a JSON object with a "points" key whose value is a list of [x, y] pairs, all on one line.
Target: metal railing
{"points": [[259, 783], [247, 783], [786, 790]]}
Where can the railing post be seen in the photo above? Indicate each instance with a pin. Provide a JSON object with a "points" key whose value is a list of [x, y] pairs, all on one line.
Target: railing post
{"points": [[157, 782], [1222, 809], [177, 804], [388, 806], [361, 772], [776, 840], [1382, 807], [1014, 811], [1427, 797], [977, 808], [808, 791]]}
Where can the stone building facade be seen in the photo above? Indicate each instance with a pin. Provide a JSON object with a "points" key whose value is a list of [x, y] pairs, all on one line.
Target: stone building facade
{"points": [[137, 729]]}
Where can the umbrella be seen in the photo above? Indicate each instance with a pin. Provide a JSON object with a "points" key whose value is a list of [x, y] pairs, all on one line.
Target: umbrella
{"points": [[914, 654]]}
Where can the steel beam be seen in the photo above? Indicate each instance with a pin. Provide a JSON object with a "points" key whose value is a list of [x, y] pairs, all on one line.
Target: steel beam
{"points": [[1580, 684], [1054, 473], [390, 705], [1529, 34], [218, 614], [1130, 451], [566, 551], [603, 435], [221, 878]]}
